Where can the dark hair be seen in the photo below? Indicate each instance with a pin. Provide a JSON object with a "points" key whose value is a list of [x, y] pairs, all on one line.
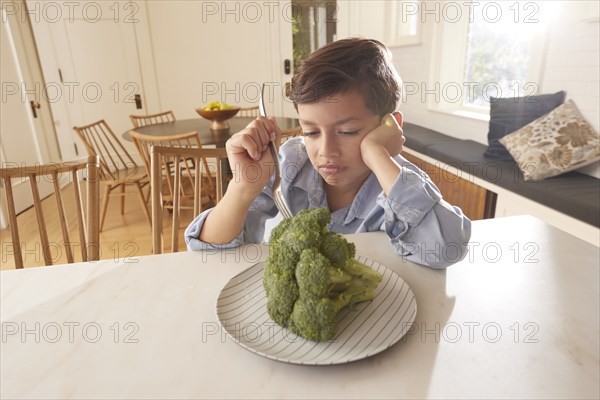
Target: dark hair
{"points": [[361, 64]]}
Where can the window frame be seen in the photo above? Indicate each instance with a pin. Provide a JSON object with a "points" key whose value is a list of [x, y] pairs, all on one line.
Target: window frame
{"points": [[403, 17]]}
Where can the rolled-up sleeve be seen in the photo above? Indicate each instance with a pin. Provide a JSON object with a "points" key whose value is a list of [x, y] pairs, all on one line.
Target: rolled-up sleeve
{"points": [[192, 234], [422, 226], [262, 208]]}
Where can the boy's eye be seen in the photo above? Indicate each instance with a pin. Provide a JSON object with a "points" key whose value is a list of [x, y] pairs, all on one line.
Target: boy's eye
{"points": [[312, 133], [348, 133]]}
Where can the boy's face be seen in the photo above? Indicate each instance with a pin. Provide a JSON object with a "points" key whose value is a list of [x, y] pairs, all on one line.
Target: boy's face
{"points": [[333, 130]]}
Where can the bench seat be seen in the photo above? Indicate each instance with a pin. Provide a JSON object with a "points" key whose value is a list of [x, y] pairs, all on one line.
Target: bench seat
{"points": [[572, 193]]}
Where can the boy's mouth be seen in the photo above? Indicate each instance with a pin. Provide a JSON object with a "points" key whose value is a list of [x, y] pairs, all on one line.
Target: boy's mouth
{"points": [[330, 169]]}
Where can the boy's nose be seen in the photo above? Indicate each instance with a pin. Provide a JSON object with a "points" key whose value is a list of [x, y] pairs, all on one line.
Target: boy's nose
{"points": [[329, 146]]}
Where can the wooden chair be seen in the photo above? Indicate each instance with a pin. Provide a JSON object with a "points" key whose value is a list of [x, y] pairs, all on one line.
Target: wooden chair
{"points": [[290, 133], [172, 158], [117, 167], [143, 143], [248, 112], [152, 119], [58, 173]]}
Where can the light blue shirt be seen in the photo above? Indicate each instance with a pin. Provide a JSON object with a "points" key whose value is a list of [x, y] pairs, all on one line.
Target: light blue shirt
{"points": [[421, 226]]}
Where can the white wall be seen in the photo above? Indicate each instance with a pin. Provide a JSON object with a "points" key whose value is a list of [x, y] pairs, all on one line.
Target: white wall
{"points": [[199, 46], [573, 60]]}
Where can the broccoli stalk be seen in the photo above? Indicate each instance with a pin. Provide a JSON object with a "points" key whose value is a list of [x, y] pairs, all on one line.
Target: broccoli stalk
{"points": [[365, 281], [311, 275]]}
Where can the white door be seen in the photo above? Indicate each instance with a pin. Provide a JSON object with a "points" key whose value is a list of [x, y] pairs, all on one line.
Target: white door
{"points": [[26, 134], [89, 53]]}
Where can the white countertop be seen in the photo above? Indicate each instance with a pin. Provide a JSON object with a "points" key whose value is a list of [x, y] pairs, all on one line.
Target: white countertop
{"points": [[518, 318]]}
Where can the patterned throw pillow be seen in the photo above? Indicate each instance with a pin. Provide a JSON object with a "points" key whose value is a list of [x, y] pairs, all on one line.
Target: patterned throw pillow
{"points": [[508, 114], [556, 143]]}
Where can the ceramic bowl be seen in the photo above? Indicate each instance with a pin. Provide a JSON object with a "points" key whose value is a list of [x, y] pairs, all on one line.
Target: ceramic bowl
{"points": [[218, 118]]}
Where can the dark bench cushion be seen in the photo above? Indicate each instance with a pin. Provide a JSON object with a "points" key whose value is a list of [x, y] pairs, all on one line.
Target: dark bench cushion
{"points": [[420, 138], [573, 193]]}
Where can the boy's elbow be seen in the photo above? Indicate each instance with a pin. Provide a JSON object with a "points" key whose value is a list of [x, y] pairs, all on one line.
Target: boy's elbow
{"points": [[436, 255], [456, 249], [443, 259], [436, 248], [451, 253]]}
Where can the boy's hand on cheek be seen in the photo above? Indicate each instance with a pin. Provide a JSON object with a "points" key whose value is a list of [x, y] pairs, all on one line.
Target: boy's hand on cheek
{"points": [[384, 141]]}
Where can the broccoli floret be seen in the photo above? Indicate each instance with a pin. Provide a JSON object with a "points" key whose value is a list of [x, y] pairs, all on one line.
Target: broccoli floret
{"points": [[280, 283], [304, 231], [282, 293], [316, 277], [279, 229], [311, 275], [314, 319], [336, 248]]}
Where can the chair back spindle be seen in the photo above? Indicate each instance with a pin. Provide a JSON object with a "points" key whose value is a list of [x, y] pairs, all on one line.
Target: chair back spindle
{"points": [[290, 133], [178, 157], [188, 140], [87, 226], [152, 119], [247, 112], [118, 169]]}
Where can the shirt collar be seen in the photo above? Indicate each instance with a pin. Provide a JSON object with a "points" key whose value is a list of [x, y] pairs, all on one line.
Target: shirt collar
{"points": [[360, 206], [309, 180], [298, 173]]}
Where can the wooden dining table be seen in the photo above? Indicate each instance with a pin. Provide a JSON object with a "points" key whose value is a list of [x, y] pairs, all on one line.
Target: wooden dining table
{"points": [[208, 136], [517, 317], [200, 125]]}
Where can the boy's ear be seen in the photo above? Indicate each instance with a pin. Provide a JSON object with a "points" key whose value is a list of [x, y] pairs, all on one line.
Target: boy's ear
{"points": [[399, 117]]}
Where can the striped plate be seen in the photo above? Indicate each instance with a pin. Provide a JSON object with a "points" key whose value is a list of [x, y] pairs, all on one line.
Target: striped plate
{"points": [[370, 328]]}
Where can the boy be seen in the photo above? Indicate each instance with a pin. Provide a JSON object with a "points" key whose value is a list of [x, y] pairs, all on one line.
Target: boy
{"points": [[347, 160]]}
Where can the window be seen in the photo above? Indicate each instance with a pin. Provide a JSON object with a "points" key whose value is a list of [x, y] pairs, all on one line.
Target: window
{"points": [[402, 23], [487, 49], [393, 22]]}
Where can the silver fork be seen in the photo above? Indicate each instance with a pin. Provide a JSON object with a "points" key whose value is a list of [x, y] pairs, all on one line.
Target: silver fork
{"points": [[280, 202]]}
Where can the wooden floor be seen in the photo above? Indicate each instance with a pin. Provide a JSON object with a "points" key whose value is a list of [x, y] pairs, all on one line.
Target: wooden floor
{"points": [[123, 236]]}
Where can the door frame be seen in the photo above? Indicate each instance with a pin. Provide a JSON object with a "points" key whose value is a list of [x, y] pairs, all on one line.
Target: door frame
{"points": [[27, 56], [279, 40], [32, 88], [64, 113]]}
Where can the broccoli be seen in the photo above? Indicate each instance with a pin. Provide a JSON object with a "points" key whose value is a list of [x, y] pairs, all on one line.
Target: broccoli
{"points": [[311, 275]]}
